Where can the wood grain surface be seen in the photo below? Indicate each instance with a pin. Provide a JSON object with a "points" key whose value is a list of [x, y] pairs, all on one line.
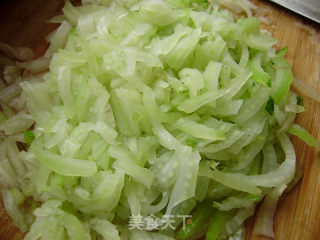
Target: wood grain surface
{"points": [[23, 23]]}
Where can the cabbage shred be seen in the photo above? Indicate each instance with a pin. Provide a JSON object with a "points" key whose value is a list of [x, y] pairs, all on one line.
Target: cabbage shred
{"points": [[149, 107]]}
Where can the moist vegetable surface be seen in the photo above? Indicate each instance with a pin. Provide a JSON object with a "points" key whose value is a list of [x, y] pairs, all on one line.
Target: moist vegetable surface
{"points": [[149, 110]]}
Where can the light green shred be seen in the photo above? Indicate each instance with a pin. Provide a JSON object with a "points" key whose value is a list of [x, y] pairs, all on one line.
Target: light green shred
{"points": [[149, 108]]}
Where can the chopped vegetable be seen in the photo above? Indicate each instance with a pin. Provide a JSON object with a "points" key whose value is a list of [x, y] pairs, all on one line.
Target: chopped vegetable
{"points": [[270, 106], [219, 219], [29, 137], [306, 90], [202, 214], [267, 210], [146, 109], [304, 135]]}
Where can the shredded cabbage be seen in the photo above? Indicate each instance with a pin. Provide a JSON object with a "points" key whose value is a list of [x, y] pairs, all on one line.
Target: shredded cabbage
{"points": [[267, 210], [147, 108]]}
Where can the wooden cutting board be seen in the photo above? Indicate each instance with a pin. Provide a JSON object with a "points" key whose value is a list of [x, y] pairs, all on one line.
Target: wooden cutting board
{"points": [[23, 23]]}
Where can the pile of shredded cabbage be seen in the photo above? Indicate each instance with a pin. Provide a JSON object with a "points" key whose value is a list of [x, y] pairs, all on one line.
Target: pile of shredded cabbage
{"points": [[148, 108]]}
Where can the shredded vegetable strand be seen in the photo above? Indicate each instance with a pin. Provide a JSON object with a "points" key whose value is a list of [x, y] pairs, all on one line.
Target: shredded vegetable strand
{"points": [[144, 109]]}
